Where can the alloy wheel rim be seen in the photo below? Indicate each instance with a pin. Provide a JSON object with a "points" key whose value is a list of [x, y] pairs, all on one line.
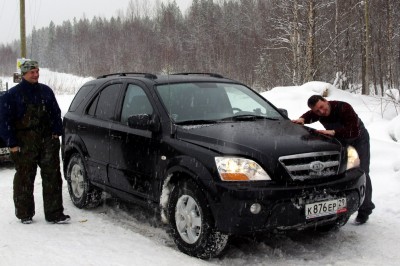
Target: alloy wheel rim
{"points": [[188, 219], [77, 183]]}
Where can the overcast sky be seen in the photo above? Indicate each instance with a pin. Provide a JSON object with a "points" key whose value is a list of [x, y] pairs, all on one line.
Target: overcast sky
{"points": [[39, 13]]}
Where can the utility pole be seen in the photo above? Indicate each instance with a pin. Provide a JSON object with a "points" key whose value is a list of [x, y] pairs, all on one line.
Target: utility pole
{"points": [[22, 27]]}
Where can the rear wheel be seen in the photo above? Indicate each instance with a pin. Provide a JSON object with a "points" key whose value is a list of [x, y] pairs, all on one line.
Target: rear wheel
{"points": [[81, 191], [192, 226]]}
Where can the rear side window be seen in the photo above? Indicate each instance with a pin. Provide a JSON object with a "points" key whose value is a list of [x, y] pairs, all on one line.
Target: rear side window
{"points": [[80, 97], [103, 106]]}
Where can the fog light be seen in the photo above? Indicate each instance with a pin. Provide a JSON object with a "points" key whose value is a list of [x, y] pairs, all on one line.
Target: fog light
{"points": [[255, 208]]}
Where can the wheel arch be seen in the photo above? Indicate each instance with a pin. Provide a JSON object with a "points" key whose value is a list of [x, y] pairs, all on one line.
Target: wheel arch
{"points": [[73, 145], [193, 230], [182, 172]]}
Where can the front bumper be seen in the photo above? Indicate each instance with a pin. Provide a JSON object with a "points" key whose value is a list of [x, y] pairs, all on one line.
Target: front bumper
{"points": [[283, 207]]}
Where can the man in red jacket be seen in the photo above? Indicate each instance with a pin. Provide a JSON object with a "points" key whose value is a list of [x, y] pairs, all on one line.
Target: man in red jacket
{"points": [[341, 121]]}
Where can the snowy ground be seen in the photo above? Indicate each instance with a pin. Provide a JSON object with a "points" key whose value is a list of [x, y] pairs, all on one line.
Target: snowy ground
{"points": [[121, 234]]}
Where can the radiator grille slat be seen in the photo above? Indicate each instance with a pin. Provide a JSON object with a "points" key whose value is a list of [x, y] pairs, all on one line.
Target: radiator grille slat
{"points": [[308, 166]]}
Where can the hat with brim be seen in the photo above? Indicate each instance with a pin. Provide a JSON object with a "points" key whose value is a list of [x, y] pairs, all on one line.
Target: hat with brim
{"points": [[28, 65]]}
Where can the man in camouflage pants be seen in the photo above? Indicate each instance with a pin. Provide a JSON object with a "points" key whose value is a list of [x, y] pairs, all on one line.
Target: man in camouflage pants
{"points": [[30, 123]]}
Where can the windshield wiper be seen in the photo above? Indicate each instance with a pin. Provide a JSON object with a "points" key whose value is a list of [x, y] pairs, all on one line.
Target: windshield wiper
{"points": [[196, 122], [248, 117]]}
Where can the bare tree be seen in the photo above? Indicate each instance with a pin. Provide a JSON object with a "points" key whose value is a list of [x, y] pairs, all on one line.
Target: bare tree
{"points": [[310, 68], [296, 44], [389, 38], [367, 51], [264, 43]]}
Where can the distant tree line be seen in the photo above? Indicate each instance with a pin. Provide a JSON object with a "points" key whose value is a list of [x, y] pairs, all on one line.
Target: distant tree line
{"points": [[354, 44]]}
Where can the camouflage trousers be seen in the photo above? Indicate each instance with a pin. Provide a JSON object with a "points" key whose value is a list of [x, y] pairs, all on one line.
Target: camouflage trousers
{"points": [[43, 152]]}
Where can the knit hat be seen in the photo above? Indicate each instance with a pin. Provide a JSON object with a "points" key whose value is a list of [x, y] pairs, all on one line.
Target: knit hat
{"points": [[28, 65]]}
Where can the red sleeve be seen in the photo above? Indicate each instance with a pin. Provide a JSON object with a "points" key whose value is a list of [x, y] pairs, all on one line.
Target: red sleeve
{"points": [[350, 123], [310, 117]]}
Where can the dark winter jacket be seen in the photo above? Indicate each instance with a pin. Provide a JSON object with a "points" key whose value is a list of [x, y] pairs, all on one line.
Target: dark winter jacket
{"points": [[13, 107], [343, 119]]}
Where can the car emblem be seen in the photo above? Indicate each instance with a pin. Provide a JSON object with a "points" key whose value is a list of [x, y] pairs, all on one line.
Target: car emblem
{"points": [[317, 166]]}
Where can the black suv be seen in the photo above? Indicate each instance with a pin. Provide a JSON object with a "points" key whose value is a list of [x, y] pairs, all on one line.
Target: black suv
{"points": [[216, 157]]}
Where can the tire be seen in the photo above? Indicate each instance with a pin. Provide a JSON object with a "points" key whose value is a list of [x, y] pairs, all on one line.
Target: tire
{"points": [[191, 222], [81, 191]]}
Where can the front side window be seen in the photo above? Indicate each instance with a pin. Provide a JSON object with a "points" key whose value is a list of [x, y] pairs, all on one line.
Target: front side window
{"points": [[135, 103]]}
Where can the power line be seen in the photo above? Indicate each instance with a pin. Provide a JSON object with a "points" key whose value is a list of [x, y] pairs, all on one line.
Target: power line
{"points": [[34, 12], [34, 15], [12, 25]]}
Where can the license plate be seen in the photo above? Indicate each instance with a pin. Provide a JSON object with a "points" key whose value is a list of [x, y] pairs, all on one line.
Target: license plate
{"points": [[4, 151], [324, 208]]}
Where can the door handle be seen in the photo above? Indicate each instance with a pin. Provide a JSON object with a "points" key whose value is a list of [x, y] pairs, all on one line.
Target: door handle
{"points": [[115, 136], [81, 127]]}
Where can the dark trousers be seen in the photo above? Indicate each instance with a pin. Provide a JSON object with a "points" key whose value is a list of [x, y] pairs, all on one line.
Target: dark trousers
{"points": [[363, 149], [44, 153]]}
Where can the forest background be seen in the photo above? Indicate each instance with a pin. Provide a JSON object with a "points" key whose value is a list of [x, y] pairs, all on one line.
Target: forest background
{"points": [[353, 44]]}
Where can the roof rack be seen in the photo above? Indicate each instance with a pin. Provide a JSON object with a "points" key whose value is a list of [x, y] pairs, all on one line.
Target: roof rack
{"points": [[200, 73], [124, 74]]}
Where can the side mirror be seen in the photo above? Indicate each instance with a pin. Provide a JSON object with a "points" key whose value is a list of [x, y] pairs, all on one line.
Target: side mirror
{"points": [[283, 111], [144, 122]]}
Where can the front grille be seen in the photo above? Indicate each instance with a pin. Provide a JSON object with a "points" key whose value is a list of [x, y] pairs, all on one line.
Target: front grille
{"points": [[313, 165]]}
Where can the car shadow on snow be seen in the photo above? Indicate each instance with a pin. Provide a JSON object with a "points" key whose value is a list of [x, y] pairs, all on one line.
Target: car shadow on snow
{"points": [[136, 218], [307, 245]]}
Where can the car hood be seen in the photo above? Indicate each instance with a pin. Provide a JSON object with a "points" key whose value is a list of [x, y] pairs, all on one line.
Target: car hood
{"points": [[257, 138]]}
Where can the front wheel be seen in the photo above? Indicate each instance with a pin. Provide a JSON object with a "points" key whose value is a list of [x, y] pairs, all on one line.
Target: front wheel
{"points": [[81, 191], [191, 222]]}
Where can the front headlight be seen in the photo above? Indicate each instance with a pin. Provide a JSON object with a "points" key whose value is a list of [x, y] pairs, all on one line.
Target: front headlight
{"points": [[240, 169], [352, 158]]}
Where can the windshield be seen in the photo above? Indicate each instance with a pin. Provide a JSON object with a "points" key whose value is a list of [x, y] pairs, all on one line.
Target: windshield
{"points": [[208, 102]]}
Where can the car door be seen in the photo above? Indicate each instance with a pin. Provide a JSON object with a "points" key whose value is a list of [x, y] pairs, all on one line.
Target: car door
{"points": [[134, 152], [95, 128]]}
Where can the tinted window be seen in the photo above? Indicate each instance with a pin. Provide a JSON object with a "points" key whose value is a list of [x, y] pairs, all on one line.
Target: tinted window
{"points": [[80, 97], [106, 102], [92, 107], [135, 102]]}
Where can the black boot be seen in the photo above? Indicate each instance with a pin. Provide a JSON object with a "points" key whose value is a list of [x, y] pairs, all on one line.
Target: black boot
{"points": [[61, 219], [361, 218]]}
